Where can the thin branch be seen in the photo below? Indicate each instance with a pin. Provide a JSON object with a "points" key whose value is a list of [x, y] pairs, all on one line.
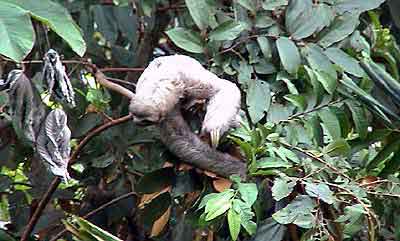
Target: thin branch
{"points": [[91, 213], [102, 79], [312, 156], [315, 109], [56, 181], [38, 211], [121, 69]]}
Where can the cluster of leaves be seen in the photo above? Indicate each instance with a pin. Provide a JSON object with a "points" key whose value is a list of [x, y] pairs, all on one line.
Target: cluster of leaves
{"points": [[320, 109]]}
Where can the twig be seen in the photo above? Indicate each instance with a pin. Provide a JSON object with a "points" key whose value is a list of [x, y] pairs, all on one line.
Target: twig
{"points": [[91, 213], [315, 109], [121, 69], [56, 181], [307, 153], [102, 79], [38, 211]]}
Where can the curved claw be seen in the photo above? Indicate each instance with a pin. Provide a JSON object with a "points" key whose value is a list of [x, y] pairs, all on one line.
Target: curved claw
{"points": [[215, 136]]}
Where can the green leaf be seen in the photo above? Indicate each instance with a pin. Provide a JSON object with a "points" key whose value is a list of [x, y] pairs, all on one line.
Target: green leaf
{"points": [[297, 100], [357, 6], [248, 192], [331, 123], [273, 4], [199, 10], [265, 47], [314, 128], [287, 154], [298, 212], [248, 4], [228, 30], [258, 99], [328, 82], [345, 61], [271, 162], [384, 154], [342, 27], [96, 232], [218, 205], [318, 60], [338, 147], [289, 54], [282, 188], [186, 39], [58, 19], [359, 118], [294, 12], [234, 223], [312, 20], [321, 191], [16, 31]]}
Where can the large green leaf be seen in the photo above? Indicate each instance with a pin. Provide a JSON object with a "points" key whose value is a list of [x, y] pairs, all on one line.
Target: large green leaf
{"points": [[341, 27], [345, 61], [359, 118], [57, 18], [199, 10], [228, 30], [272, 4], [312, 20], [258, 99], [186, 39], [298, 212], [321, 191], [282, 188], [234, 223], [16, 31], [356, 6], [248, 192], [294, 12], [289, 54], [318, 60], [331, 123]]}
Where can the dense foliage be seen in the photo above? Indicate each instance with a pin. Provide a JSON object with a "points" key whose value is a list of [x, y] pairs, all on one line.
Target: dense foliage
{"points": [[320, 96]]}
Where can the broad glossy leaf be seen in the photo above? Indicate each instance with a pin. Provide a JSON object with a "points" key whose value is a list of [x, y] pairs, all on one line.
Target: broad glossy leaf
{"points": [[228, 30], [331, 123], [341, 27], [345, 61], [359, 118], [248, 4], [186, 39], [234, 223], [282, 188], [265, 47], [271, 162], [289, 54], [273, 4], [321, 191], [327, 81], [258, 99], [16, 32], [318, 60], [264, 20], [298, 212], [248, 192], [313, 20], [58, 19], [357, 6], [218, 205], [94, 231], [297, 100], [199, 10], [294, 11], [338, 147]]}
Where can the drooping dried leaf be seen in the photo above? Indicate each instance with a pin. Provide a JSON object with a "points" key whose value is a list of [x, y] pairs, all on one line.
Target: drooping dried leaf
{"points": [[53, 143], [220, 184], [26, 109], [56, 79]]}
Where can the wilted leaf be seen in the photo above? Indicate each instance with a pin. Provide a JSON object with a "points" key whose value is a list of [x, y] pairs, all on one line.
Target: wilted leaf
{"points": [[221, 184], [53, 143]]}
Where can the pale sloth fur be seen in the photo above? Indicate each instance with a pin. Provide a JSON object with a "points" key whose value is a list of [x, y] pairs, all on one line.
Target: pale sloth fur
{"points": [[170, 79]]}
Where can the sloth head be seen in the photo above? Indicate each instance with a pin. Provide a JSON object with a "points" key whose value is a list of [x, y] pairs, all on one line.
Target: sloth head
{"points": [[144, 113]]}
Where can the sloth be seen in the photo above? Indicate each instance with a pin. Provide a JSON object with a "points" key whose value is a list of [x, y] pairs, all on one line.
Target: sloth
{"points": [[169, 81]]}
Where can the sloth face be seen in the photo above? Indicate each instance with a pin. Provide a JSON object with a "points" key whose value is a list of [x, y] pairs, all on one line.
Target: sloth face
{"points": [[143, 114]]}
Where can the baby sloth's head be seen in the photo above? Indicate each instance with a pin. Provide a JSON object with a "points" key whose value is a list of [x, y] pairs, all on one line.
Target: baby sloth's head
{"points": [[144, 113]]}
